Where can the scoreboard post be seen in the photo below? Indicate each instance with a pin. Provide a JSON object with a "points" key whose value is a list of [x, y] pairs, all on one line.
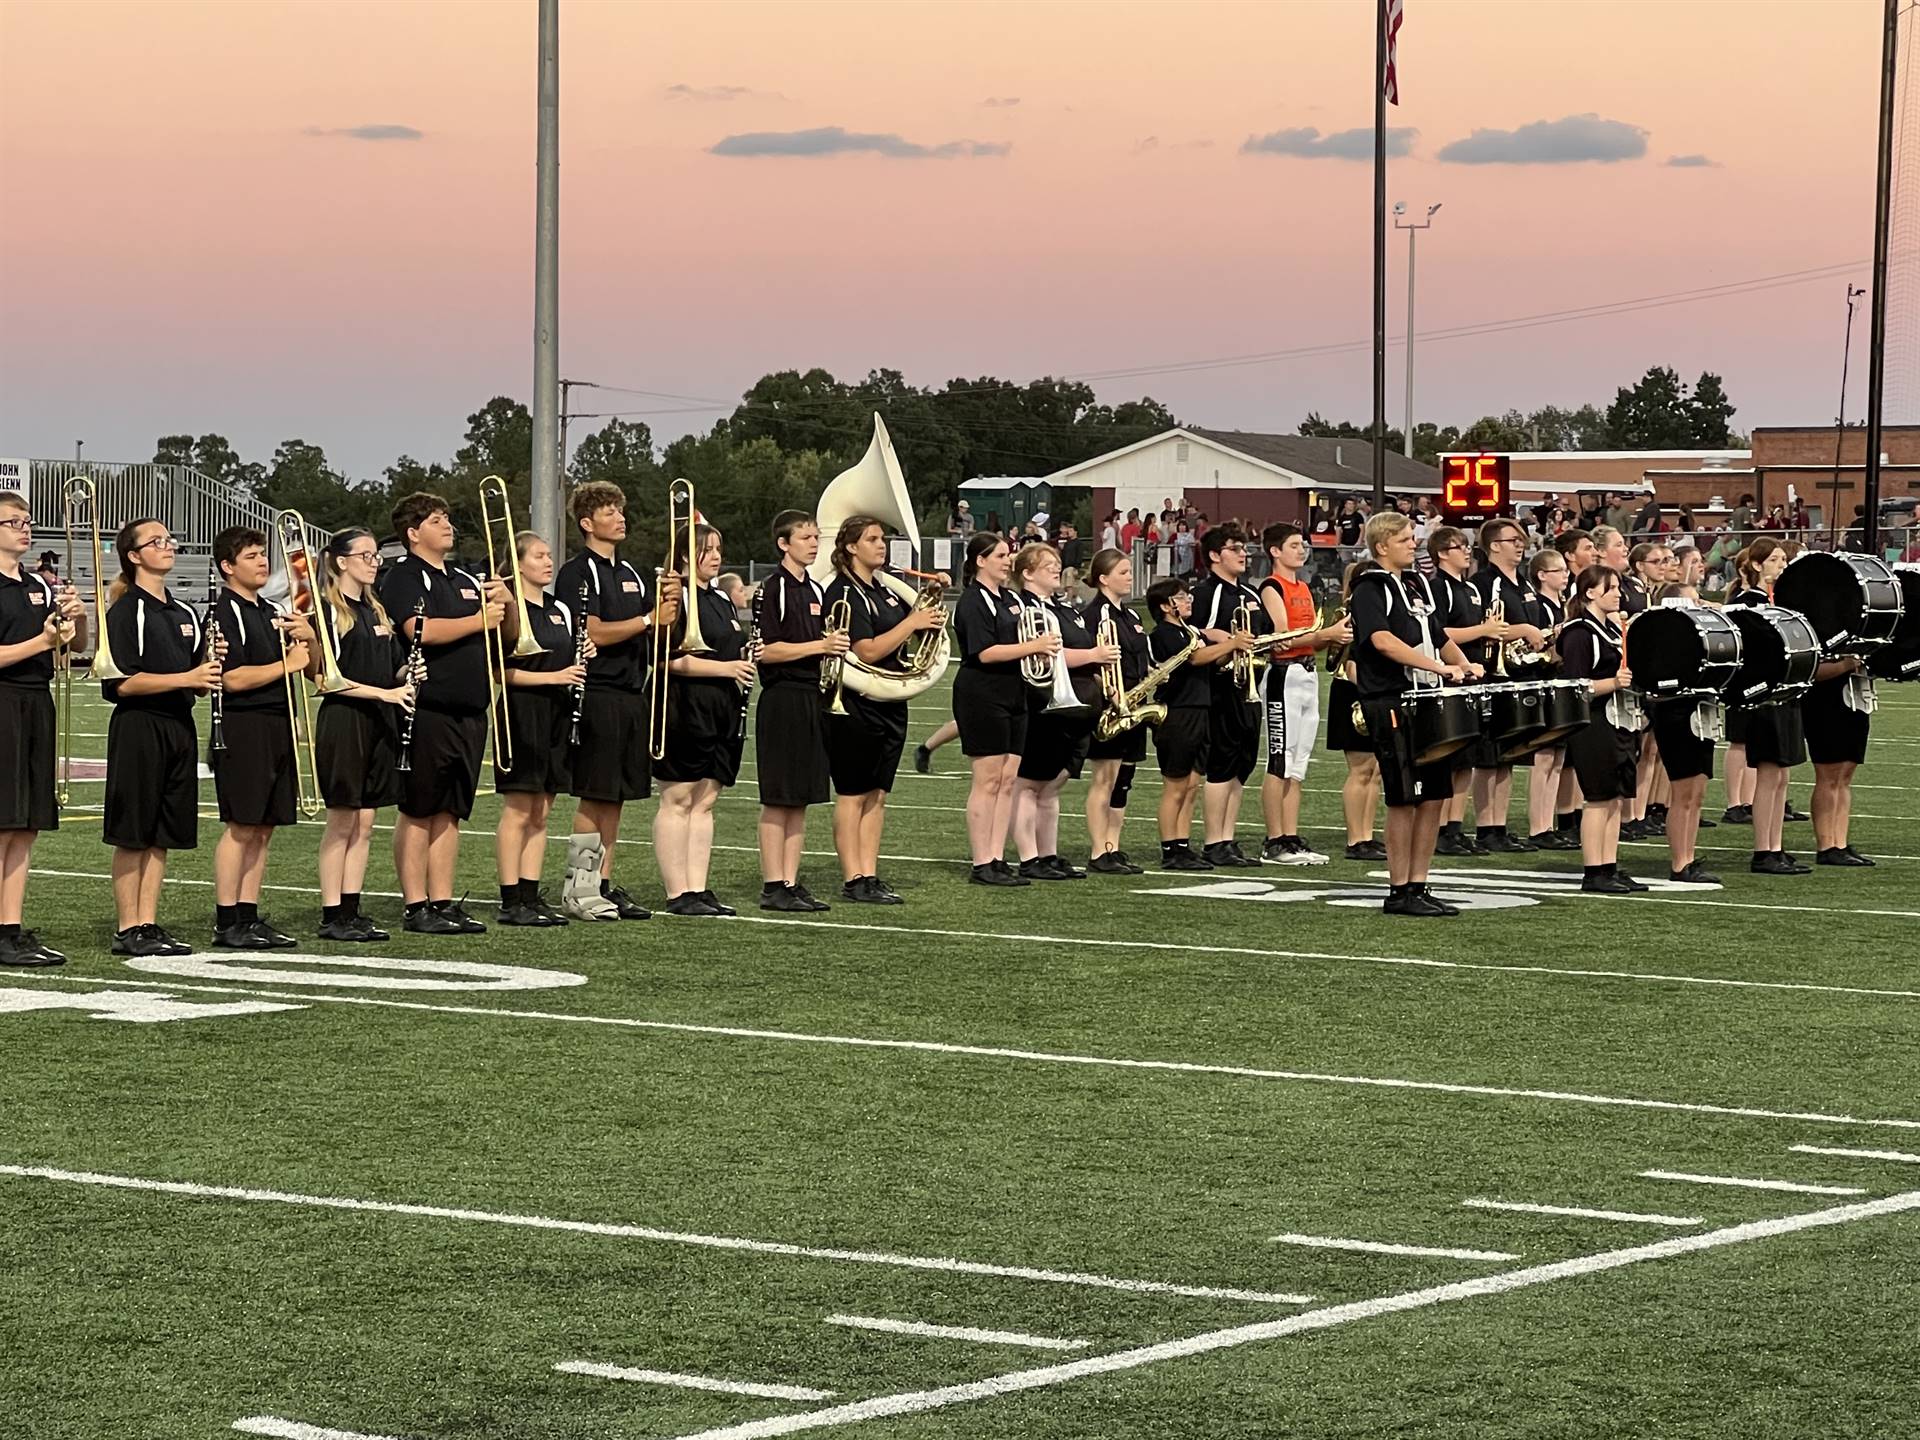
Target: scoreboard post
{"points": [[1474, 489]]}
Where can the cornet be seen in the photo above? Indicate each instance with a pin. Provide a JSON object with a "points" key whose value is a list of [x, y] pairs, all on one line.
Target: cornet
{"points": [[496, 515], [833, 668]]}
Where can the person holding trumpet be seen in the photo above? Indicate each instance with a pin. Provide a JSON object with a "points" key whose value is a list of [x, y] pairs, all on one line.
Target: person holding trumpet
{"points": [[1227, 612], [446, 609], [256, 774], [37, 624], [1291, 694], [155, 652], [1115, 759]]}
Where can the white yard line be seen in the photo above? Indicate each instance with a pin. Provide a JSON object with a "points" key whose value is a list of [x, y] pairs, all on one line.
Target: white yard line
{"points": [[1382, 1247], [691, 1382], [1741, 1182], [919, 1401], [1041, 1057], [1899, 1156], [643, 1232], [956, 1332], [1580, 1212], [295, 1430]]}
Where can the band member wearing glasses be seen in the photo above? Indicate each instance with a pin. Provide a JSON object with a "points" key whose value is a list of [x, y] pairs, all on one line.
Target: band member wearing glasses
{"points": [[1605, 752], [357, 732], [254, 776], [1503, 593], [1549, 573], [36, 620], [446, 608], [1360, 791], [1233, 721], [1115, 760], [1291, 695], [1461, 611], [1395, 635], [153, 788]]}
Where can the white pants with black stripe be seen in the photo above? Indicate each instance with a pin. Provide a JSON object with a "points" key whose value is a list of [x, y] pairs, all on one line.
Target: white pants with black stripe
{"points": [[1291, 716]]}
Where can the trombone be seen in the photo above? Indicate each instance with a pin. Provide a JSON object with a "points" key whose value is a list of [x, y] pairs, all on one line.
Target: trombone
{"points": [[78, 499], [683, 519], [496, 514], [304, 603]]}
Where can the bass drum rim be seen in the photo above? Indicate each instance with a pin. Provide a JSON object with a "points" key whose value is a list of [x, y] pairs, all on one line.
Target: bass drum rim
{"points": [[1782, 690], [1700, 621], [1803, 587]]}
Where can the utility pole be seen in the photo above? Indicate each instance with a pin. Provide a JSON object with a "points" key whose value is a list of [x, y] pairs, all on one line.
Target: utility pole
{"points": [[546, 286], [1413, 229], [78, 446], [1854, 292], [1877, 346], [1380, 255]]}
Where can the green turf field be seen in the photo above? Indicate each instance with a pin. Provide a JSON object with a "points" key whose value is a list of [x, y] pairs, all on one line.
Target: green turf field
{"points": [[1054, 1132]]}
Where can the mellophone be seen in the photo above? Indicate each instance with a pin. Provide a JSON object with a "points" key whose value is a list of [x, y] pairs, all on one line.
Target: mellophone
{"points": [[1827, 605]]}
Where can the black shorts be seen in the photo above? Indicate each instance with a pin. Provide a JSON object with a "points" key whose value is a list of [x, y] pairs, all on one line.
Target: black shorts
{"points": [[991, 710], [790, 745], [1233, 739], [446, 765], [1403, 782], [542, 721], [1055, 743], [1683, 754], [1182, 742], [864, 745], [1736, 725], [611, 763], [27, 749], [1341, 736], [1129, 746], [253, 778], [153, 784], [1776, 735], [1836, 732], [358, 745], [1606, 760]]}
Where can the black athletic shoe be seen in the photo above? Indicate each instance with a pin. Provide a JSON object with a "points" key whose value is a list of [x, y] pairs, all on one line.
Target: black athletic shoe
{"points": [[1366, 850], [274, 936], [1631, 883], [520, 913], [893, 896], [1446, 906], [1038, 869], [719, 906], [431, 920], [170, 945], [1274, 848], [1063, 868], [1692, 874], [1858, 858], [1793, 814], [1239, 857], [812, 901], [1500, 843], [988, 874], [540, 903], [365, 929], [1476, 845], [1606, 885], [24, 951], [1631, 830], [1216, 854], [1395, 903], [1127, 861], [1555, 840], [1109, 864], [240, 936], [689, 902], [922, 759], [1654, 827], [1181, 857], [1737, 815], [142, 940], [783, 899], [1426, 907], [629, 908], [1777, 862], [1706, 824], [340, 930], [457, 910], [1447, 844], [1837, 855], [863, 890]]}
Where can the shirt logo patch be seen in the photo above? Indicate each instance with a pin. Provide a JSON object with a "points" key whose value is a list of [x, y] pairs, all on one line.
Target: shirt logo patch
{"points": [[813, 607], [466, 594], [36, 598], [187, 630], [383, 630], [632, 587]]}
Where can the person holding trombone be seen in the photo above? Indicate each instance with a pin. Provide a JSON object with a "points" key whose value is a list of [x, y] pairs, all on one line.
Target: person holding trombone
{"points": [[40, 627]]}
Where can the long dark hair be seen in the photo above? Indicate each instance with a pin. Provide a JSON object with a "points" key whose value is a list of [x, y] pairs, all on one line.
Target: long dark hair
{"points": [[851, 529], [124, 546], [984, 543], [1104, 564], [1594, 577]]}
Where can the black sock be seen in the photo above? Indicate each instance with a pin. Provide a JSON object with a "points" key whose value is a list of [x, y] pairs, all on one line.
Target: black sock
{"points": [[1594, 871], [414, 907], [329, 914], [510, 894], [350, 906], [249, 912], [774, 887], [9, 932], [529, 889], [1612, 868], [224, 916]]}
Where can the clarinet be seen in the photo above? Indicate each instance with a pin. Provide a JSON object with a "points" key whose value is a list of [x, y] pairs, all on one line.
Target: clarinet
{"points": [[416, 672], [753, 654], [218, 732], [579, 658]]}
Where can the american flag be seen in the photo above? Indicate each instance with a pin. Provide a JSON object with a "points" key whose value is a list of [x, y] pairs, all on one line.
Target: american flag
{"points": [[1392, 78]]}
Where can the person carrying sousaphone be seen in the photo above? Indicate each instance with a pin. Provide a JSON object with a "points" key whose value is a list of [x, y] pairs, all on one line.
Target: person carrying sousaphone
{"points": [[1395, 635]]}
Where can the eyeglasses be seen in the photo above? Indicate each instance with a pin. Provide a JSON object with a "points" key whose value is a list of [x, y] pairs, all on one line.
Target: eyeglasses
{"points": [[165, 542], [373, 555], [17, 523]]}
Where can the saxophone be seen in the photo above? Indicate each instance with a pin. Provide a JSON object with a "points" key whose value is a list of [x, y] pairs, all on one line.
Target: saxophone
{"points": [[1129, 708]]}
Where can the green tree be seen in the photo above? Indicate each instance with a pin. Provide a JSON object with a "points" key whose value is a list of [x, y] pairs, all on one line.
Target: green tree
{"points": [[1711, 412], [1654, 414], [213, 456], [299, 478]]}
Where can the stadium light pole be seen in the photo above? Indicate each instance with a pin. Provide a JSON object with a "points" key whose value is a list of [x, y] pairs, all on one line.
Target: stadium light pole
{"points": [[1854, 292], [1882, 216], [1413, 229], [545, 472]]}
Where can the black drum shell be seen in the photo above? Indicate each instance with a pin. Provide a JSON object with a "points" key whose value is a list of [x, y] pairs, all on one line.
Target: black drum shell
{"points": [[1510, 709], [1682, 650], [1853, 601], [1441, 719], [1899, 658], [1780, 651], [1564, 708]]}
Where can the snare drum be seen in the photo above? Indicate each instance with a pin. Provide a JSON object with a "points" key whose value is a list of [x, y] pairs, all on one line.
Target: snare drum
{"points": [[1899, 658], [1565, 706], [1440, 719], [1853, 601], [1510, 709], [1683, 650], [1779, 654]]}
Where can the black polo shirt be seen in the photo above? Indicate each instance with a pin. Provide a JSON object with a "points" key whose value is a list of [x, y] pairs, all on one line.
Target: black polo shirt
{"points": [[1191, 686], [552, 624], [1215, 602], [1634, 595], [152, 637], [247, 628], [369, 652], [983, 620], [1074, 635], [873, 610], [1456, 604], [616, 591], [792, 612], [456, 673], [1380, 602], [25, 604], [1590, 649], [1131, 630], [1519, 596]]}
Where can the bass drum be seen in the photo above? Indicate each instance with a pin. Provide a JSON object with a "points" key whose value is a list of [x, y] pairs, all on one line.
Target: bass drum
{"points": [[1854, 601], [1899, 658], [1779, 654], [1680, 650], [1441, 719]]}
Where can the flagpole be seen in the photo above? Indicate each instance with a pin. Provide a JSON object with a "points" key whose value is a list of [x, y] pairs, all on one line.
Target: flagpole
{"points": [[1877, 345], [1380, 255]]}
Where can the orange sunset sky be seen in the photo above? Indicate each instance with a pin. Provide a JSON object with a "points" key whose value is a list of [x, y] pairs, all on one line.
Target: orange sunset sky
{"points": [[198, 235]]}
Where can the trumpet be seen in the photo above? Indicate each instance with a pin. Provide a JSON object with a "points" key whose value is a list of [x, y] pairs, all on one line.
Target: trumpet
{"points": [[683, 519], [496, 514], [833, 668], [303, 604], [78, 498], [1245, 665]]}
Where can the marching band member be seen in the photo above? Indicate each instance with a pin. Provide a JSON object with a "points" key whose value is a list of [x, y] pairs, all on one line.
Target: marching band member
{"points": [[254, 776], [1504, 593], [1755, 569], [539, 721], [447, 608], [35, 621], [1360, 791], [1549, 573], [1394, 634], [990, 701], [1182, 742], [356, 738], [153, 790], [1651, 564], [1610, 550], [705, 736], [1605, 754], [1836, 724], [1233, 721], [1576, 547], [790, 727], [610, 763], [1057, 741], [945, 733], [1114, 760], [1461, 612], [1686, 761], [1292, 695], [864, 745]]}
